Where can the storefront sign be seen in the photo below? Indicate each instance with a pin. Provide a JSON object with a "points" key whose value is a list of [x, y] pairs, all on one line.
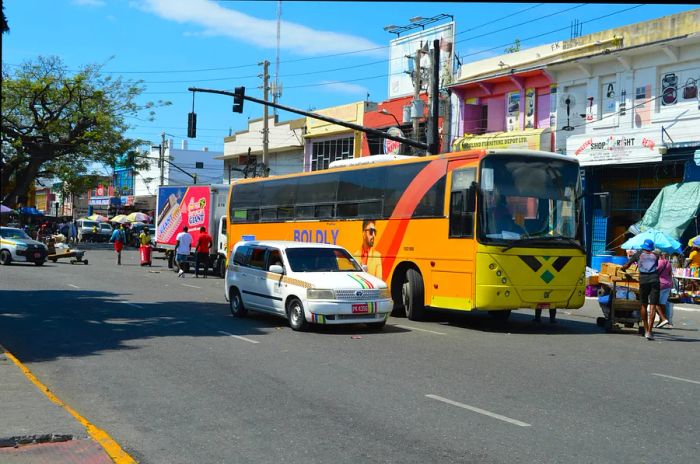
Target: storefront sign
{"points": [[127, 200], [533, 139], [639, 147], [99, 201], [513, 106], [529, 108], [392, 147]]}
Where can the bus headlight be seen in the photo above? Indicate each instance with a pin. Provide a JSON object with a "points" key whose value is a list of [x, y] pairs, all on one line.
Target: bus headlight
{"points": [[492, 266], [384, 293], [504, 280], [507, 293], [498, 273], [320, 294]]}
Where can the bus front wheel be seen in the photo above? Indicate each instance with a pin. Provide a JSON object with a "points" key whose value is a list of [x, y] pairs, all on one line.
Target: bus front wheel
{"points": [[412, 295]]}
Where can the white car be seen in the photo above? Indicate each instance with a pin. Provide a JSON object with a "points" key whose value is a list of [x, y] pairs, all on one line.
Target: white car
{"points": [[306, 283], [16, 245]]}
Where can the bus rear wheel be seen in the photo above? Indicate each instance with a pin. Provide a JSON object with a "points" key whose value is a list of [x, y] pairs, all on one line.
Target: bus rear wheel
{"points": [[412, 293]]}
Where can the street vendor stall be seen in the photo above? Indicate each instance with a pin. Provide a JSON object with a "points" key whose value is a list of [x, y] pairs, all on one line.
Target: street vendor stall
{"points": [[619, 300]]}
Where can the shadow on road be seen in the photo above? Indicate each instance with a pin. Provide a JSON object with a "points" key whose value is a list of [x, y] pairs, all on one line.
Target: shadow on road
{"points": [[44, 325]]}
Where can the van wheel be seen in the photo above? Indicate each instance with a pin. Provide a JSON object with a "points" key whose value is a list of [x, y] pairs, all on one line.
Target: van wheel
{"points": [[295, 313], [5, 258], [236, 303], [412, 294], [376, 325]]}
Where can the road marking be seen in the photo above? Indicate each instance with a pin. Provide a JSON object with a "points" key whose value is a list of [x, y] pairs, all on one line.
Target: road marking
{"points": [[408, 327], [692, 309], [132, 304], [74, 286], [193, 286], [238, 337], [677, 378], [480, 411], [114, 451]]}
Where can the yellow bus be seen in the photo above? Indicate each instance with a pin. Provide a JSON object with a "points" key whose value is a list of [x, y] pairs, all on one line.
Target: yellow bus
{"points": [[490, 230]]}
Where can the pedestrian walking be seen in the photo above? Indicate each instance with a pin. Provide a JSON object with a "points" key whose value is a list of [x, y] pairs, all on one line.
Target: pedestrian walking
{"points": [[665, 284], [118, 237], [74, 232], [552, 316], [204, 243], [145, 247], [649, 286], [183, 243]]}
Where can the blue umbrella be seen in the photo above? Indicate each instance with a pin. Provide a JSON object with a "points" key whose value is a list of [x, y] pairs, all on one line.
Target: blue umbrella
{"points": [[4, 209], [662, 241]]}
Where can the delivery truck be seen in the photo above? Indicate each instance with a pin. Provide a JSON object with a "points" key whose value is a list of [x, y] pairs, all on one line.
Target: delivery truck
{"points": [[193, 206]]}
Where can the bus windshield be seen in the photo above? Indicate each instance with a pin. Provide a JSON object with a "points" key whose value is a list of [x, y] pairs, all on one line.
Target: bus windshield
{"points": [[525, 199]]}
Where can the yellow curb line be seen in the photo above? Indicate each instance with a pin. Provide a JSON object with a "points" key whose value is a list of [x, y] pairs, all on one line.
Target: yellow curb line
{"points": [[114, 451]]}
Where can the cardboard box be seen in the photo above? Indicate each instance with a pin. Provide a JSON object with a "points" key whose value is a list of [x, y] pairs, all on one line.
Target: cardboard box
{"points": [[609, 269]]}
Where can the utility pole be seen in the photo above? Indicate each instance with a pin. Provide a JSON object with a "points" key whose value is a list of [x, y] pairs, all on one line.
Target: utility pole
{"points": [[433, 139], [416, 94], [161, 158], [266, 88]]}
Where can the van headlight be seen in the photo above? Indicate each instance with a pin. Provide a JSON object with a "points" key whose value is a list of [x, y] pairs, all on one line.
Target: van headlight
{"points": [[320, 294], [384, 293], [21, 246]]}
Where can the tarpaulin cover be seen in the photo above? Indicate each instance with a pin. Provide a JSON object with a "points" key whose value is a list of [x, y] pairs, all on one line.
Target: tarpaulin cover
{"points": [[673, 209]]}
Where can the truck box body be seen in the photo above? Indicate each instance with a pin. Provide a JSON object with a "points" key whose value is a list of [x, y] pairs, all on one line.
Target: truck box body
{"points": [[193, 206]]}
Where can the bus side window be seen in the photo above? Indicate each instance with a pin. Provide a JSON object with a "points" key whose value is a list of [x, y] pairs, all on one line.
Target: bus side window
{"points": [[462, 203]]}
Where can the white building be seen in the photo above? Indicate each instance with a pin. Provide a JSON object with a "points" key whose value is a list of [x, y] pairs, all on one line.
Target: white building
{"points": [[285, 148], [202, 163]]}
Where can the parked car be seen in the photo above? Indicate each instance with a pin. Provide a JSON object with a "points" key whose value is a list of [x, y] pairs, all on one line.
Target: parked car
{"points": [[85, 233], [16, 245], [105, 232], [306, 283]]}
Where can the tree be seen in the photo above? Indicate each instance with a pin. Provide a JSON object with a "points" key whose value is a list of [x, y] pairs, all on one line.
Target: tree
{"points": [[514, 48], [55, 124], [4, 27]]}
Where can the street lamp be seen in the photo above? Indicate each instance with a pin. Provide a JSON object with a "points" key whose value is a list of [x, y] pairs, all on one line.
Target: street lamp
{"points": [[385, 111]]}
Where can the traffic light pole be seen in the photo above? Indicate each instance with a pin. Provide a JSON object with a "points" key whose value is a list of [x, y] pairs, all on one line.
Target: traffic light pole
{"points": [[320, 117]]}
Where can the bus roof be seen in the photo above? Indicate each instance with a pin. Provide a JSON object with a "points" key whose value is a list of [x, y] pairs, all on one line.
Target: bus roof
{"points": [[476, 153]]}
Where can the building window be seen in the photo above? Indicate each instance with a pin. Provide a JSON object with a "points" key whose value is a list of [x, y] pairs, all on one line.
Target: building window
{"points": [[327, 151], [608, 91]]}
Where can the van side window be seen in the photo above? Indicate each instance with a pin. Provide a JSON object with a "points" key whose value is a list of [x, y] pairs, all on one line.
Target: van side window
{"points": [[239, 257], [257, 258], [274, 257]]}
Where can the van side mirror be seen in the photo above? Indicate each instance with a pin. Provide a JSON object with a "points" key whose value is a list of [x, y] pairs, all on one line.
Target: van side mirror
{"points": [[276, 269], [364, 267]]}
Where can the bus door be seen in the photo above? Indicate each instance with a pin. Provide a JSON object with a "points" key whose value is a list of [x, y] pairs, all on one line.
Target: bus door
{"points": [[453, 275]]}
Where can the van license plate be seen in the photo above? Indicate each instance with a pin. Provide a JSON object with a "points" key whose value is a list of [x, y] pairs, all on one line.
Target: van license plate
{"points": [[360, 308], [37, 255], [543, 305]]}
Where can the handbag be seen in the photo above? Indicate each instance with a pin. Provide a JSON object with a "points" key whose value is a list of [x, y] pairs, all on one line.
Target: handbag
{"points": [[690, 91]]}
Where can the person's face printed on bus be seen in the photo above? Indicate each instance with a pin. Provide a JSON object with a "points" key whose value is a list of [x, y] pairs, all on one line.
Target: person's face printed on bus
{"points": [[369, 233]]}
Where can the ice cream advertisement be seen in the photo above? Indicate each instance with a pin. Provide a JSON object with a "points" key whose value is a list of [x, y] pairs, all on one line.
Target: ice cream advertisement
{"points": [[179, 207]]}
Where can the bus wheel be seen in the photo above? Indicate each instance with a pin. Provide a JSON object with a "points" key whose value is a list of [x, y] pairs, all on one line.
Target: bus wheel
{"points": [[412, 294], [295, 312], [500, 315]]}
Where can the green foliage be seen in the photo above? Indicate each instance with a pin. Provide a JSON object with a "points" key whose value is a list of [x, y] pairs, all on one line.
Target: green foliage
{"points": [[56, 123], [514, 48]]}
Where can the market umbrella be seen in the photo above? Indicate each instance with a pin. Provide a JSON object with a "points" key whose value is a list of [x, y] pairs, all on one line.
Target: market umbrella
{"points": [[694, 242], [98, 218], [4, 209], [138, 217], [662, 241], [119, 218]]}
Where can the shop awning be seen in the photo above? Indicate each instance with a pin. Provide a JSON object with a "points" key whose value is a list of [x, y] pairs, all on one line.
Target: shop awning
{"points": [[673, 209]]}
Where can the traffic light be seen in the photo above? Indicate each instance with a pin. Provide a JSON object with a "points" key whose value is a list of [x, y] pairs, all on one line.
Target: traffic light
{"points": [[192, 125], [238, 94]]}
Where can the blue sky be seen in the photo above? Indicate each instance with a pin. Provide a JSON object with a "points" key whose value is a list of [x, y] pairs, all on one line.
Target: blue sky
{"points": [[331, 53]]}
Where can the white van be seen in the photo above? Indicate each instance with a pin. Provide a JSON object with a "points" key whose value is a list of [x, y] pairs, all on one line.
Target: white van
{"points": [[306, 283]]}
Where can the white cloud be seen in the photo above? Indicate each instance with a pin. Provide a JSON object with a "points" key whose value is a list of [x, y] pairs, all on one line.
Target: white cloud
{"points": [[344, 87], [89, 2], [219, 21]]}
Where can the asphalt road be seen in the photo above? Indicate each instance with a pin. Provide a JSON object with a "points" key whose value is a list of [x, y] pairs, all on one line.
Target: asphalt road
{"points": [[159, 363]]}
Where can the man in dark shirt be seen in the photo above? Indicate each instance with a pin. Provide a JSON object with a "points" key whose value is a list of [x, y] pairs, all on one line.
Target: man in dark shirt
{"points": [[649, 285], [202, 251]]}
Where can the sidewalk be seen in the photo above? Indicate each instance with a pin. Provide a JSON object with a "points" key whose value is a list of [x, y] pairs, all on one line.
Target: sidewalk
{"points": [[34, 429]]}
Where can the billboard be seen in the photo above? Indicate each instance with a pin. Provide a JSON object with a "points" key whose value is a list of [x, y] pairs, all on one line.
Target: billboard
{"points": [[181, 206], [401, 68]]}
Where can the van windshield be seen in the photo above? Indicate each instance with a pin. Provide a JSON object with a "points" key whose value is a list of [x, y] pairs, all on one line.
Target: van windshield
{"points": [[14, 234], [90, 224], [321, 260]]}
